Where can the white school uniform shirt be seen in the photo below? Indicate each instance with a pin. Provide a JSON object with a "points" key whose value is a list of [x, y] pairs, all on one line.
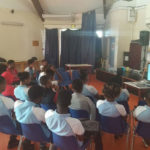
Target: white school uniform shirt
{"points": [[38, 112], [8, 102], [63, 124], [80, 102], [110, 109], [91, 89], [142, 113]]}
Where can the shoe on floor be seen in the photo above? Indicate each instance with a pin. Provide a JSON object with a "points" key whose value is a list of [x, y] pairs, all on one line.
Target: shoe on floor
{"points": [[13, 143]]}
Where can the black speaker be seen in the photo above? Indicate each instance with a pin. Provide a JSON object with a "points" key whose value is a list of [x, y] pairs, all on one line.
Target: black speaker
{"points": [[144, 38]]}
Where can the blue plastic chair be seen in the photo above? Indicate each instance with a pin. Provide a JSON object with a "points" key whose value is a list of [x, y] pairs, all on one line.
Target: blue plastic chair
{"points": [[7, 126], [113, 125], [67, 142], [66, 79], [142, 130], [116, 126], [142, 103], [75, 75], [47, 107], [79, 114], [34, 132]]}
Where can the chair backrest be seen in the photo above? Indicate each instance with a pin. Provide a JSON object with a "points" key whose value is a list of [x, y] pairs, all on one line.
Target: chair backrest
{"points": [[143, 130], [142, 103], [113, 125], [126, 105], [65, 142], [7, 126], [75, 74], [79, 114], [34, 132]]}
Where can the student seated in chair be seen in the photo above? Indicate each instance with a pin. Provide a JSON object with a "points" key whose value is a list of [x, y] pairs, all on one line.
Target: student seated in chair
{"points": [[80, 102], [29, 112], [89, 90], [142, 113], [6, 107], [49, 92], [50, 71], [60, 122], [110, 107], [124, 94], [21, 91]]}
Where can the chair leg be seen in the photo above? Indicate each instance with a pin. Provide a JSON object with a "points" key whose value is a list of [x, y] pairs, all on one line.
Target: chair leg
{"points": [[133, 139], [20, 143], [128, 135], [52, 147]]}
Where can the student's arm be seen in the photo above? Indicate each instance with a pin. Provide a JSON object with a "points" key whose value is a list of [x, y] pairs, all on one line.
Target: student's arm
{"points": [[58, 74], [121, 110], [8, 102], [76, 126], [138, 111], [92, 109], [39, 114]]}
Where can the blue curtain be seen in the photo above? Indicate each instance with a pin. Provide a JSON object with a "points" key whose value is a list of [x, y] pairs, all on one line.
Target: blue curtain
{"points": [[88, 42], [51, 47], [70, 47], [79, 47]]}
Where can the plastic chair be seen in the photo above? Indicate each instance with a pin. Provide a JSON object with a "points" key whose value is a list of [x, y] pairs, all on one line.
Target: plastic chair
{"points": [[79, 114], [115, 125], [67, 142], [47, 107], [34, 132], [142, 103], [7, 126], [66, 79], [75, 75], [142, 130]]}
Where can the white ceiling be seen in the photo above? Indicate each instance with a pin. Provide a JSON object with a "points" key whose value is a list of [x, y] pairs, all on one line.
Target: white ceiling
{"points": [[70, 6]]}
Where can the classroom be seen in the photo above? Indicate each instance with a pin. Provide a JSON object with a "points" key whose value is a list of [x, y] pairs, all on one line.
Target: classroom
{"points": [[74, 75]]}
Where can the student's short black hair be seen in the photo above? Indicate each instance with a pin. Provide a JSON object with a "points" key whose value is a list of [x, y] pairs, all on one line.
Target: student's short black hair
{"points": [[111, 90], [34, 58], [44, 79], [23, 76], [44, 60], [35, 92], [9, 62], [64, 98], [83, 75], [2, 80], [49, 72], [77, 85], [3, 68], [30, 61]]}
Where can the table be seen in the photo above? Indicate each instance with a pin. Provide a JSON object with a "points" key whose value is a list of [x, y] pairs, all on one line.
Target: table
{"points": [[142, 89], [78, 67], [105, 76]]}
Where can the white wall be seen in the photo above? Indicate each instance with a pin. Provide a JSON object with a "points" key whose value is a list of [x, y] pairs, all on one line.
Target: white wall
{"points": [[117, 25], [16, 42]]}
